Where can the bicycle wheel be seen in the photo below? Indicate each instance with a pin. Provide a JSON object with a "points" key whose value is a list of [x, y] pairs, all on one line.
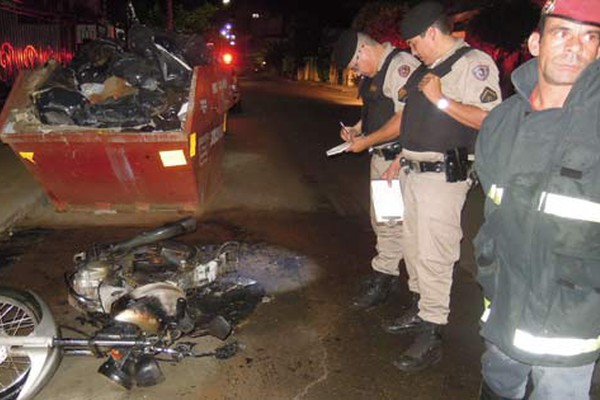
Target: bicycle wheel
{"points": [[16, 319]]}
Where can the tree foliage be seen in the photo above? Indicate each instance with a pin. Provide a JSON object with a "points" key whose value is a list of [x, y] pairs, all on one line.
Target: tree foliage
{"points": [[505, 23], [186, 18], [381, 20], [196, 20]]}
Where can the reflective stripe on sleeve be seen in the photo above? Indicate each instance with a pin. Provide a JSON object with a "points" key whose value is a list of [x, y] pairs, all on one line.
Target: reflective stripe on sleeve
{"points": [[495, 193], [554, 346], [486, 309], [569, 207]]}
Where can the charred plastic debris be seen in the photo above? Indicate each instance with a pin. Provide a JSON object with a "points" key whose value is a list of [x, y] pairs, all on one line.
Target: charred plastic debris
{"points": [[143, 85]]}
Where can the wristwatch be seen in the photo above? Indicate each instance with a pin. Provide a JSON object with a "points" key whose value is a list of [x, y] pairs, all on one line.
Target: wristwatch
{"points": [[442, 103]]}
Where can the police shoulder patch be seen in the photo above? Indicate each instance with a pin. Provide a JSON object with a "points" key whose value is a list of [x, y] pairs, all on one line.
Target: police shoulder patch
{"points": [[481, 72], [404, 70], [402, 93], [488, 95]]}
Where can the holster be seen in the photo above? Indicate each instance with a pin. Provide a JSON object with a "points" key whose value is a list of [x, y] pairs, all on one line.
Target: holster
{"points": [[456, 164], [390, 152]]}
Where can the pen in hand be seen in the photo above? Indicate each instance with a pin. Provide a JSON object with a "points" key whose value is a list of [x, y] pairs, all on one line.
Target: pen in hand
{"points": [[346, 131], [344, 127]]}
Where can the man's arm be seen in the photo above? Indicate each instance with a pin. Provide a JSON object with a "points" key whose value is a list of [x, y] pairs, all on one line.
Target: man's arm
{"points": [[397, 74], [466, 114], [390, 130]]}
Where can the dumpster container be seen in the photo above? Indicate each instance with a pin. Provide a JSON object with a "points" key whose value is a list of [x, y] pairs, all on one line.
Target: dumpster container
{"points": [[92, 169]]}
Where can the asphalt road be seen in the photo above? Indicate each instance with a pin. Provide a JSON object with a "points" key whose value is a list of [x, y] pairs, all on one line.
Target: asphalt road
{"points": [[308, 214]]}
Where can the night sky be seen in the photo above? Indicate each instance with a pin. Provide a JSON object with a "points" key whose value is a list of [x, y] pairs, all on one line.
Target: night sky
{"points": [[333, 13]]}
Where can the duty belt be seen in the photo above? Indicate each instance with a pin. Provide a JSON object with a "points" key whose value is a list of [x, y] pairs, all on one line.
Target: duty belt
{"points": [[423, 166], [388, 152]]}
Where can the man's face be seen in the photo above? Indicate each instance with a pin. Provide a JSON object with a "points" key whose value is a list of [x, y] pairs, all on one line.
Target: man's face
{"points": [[422, 47], [363, 63], [564, 49]]}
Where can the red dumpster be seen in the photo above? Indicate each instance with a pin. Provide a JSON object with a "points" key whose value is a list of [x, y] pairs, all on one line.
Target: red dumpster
{"points": [[91, 169]]}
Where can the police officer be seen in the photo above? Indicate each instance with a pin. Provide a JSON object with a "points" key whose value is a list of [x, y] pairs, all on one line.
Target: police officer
{"points": [[538, 250], [384, 70], [447, 98]]}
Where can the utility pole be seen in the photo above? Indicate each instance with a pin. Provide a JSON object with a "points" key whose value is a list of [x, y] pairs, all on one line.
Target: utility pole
{"points": [[169, 15]]}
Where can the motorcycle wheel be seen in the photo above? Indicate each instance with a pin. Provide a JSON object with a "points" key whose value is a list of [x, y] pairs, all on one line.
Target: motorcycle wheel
{"points": [[16, 319]]}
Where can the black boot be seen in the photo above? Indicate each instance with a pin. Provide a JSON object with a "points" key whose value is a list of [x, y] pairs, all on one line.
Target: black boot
{"points": [[425, 351], [377, 289], [409, 321], [486, 393]]}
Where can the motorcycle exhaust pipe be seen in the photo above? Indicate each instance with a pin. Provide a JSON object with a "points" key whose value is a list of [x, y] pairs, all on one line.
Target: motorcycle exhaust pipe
{"points": [[167, 231]]}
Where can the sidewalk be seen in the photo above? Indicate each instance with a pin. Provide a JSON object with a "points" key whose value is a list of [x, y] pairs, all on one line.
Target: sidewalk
{"points": [[19, 192]]}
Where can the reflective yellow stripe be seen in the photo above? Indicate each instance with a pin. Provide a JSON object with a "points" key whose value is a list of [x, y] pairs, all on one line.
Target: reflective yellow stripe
{"points": [[569, 207], [193, 144], [495, 193], [28, 155], [486, 309], [554, 346]]}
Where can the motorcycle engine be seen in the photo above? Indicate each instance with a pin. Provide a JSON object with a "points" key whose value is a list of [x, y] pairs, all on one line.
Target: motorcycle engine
{"points": [[93, 287]]}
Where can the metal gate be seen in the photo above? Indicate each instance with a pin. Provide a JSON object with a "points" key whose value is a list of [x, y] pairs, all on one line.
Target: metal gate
{"points": [[29, 41]]}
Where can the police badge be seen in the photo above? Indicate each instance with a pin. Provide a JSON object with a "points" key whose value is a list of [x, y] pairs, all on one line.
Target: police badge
{"points": [[488, 95], [404, 71], [481, 72], [549, 7]]}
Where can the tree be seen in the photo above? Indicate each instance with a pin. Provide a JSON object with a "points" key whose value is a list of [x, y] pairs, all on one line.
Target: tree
{"points": [[504, 24], [381, 20], [196, 20], [188, 18]]}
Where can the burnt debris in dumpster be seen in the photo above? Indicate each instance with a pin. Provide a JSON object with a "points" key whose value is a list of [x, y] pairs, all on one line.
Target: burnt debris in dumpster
{"points": [[142, 86]]}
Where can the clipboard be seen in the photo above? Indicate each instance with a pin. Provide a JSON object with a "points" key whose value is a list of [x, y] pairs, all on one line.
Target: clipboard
{"points": [[387, 201]]}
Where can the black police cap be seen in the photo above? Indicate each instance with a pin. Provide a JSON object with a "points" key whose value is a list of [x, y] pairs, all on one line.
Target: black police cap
{"points": [[345, 47], [419, 18]]}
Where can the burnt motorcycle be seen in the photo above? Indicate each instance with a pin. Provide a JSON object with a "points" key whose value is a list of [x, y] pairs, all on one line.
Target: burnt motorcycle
{"points": [[135, 293]]}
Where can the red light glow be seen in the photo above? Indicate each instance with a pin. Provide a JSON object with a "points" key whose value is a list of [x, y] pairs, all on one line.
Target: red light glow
{"points": [[227, 58], [13, 60]]}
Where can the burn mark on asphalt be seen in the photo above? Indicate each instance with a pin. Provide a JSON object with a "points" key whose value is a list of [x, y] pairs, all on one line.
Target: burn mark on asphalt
{"points": [[17, 243]]}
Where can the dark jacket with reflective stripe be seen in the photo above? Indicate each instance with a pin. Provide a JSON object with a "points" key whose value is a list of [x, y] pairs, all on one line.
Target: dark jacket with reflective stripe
{"points": [[541, 271], [377, 107]]}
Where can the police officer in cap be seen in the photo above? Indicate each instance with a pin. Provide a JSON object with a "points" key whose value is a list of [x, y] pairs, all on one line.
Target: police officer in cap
{"points": [[538, 251], [384, 71], [447, 98]]}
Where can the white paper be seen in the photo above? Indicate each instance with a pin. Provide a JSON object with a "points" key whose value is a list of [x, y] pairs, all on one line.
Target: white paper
{"points": [[338, 149], [387, 200]]}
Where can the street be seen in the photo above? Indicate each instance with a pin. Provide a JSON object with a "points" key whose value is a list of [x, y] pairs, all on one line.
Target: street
{"points": [[281, 193]]}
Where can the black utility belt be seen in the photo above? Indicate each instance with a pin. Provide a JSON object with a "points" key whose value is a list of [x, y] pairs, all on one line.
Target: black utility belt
{"points": [[423, 166], [456, 165], [388, 152]]}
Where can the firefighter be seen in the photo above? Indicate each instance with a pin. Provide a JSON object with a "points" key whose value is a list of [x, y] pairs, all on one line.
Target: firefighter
{"points": [[384, 71], [538, 251]]}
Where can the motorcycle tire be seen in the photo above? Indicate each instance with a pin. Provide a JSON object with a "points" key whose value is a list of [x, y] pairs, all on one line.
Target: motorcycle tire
{"points": [[21, 314]]}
